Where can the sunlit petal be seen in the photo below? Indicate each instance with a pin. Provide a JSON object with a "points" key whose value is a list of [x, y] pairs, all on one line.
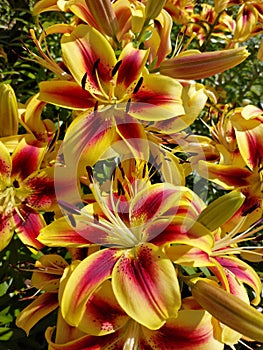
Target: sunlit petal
{"points": [[81, 50], [28, 225], [66, 94], [159, 98], [40, 307], [27, 157], [145, 284], [88, 276]]}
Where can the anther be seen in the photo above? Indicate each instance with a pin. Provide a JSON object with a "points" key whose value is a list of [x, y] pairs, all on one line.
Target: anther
{"points": [[128, 105], [69, 208], [116, 68], [138, 85], [120, 189], [95, 66], [90, 173], [72, 220], [83, 80], [96, 218], [121, 170]]}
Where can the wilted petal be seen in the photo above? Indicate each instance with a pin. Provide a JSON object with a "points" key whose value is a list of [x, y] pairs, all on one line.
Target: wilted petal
{"points": [[34, 312], [145, 284], [86, 278]]}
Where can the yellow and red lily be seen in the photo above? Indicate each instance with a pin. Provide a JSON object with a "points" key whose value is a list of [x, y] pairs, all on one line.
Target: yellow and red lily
{"points": [[193, 329], [25, 190], [134, 230], [99, 78]]}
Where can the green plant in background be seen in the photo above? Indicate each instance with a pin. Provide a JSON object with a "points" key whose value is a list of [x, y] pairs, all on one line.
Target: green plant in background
{"points": [[79, 74]]}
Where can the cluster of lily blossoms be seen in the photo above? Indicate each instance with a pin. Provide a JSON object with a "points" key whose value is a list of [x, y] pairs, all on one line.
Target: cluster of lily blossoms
{"points": [[150, 264]]}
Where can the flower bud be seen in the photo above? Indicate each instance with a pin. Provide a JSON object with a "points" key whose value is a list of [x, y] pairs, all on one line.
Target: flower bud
{"points": [[221, 210], [229, 309], [153, 8], [104, 15], [8, 111], [193, 64]]}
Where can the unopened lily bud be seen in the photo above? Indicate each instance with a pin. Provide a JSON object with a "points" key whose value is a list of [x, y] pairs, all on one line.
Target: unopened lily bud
{"points": [[229, 309], [153, 8], [104, 15], [8, 111], [193, 64], [221, 210]]}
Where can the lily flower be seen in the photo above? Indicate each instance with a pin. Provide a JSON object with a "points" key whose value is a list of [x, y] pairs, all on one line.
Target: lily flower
{"points": [[246, 176], [25, 190], [99, 78], [193, 329], [133, 230], [231, 271]]}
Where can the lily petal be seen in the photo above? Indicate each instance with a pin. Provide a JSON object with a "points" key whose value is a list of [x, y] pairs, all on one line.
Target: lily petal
{"points": [[191, 330], [42, 195], [158, 98], [27, 157], [29, 227], [103, 314], [66, 94], [86, 278], [145, 284], [81, 51], [61, 233], [6, 229], [243, 273], [5, 164], [40, 307]]}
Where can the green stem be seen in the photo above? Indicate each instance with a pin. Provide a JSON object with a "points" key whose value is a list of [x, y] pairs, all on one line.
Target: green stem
{"points": [[208, 37]]}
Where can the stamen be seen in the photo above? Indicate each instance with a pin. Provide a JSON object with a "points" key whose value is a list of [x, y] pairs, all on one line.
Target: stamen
{"points": [[122, 171], [138, 85], [72, 220], [83, 80], [95, 66], [116, 68], [69, 208], [121, 191], [96, 218], [90, 173], [128, 105]]}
